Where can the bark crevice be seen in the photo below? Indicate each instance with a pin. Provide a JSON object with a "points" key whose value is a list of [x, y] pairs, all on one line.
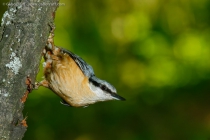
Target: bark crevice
{"points": [[23, 34]]}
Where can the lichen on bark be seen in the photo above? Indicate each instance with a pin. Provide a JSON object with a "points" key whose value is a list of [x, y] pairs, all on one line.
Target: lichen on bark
{"points": [[23, 34]]}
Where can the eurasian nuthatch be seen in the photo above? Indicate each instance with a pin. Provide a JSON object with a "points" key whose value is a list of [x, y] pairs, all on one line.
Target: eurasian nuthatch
{"points": [[71, 78]]}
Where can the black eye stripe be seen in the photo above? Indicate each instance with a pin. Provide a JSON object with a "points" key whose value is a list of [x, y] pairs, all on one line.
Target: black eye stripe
{"points": [[106, 89], [103, 87], [94, 83]]}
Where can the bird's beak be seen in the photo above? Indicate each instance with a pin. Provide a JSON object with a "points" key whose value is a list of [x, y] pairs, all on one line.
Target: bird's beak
{"points": [[118, 97]]}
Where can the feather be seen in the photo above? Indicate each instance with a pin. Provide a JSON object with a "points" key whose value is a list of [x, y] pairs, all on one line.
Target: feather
{"points": [[85, 67]]}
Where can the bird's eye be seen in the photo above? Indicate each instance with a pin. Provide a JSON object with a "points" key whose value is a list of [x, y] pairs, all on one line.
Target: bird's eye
{"points": [[103, 87]]}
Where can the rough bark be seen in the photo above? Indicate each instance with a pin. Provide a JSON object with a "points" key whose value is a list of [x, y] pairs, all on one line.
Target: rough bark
{"points": [[23, 35]]}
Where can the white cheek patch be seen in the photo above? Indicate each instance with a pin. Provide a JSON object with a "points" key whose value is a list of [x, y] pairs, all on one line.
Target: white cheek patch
{"points": [[100, 95]]}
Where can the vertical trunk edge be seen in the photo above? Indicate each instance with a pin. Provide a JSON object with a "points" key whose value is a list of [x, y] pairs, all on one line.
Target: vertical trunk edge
{"points": [[23, 34]]}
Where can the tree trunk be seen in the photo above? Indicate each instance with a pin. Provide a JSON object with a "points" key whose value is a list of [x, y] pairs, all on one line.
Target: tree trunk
{"points": [[23, 34]]}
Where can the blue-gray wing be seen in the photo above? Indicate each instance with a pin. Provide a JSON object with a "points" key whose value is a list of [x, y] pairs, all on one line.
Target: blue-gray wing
{"points": [[85, 67]]}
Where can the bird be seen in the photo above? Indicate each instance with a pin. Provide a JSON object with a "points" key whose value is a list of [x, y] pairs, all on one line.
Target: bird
{"points": [[72, 79]]}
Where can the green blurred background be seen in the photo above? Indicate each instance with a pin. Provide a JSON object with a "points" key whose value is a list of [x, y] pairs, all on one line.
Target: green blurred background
{"points": [[155, 52]]}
